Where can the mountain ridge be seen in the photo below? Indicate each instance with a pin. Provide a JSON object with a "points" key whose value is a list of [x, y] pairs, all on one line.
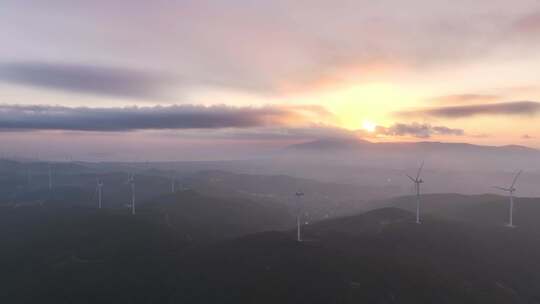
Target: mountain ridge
{"points": [[334, 144]]}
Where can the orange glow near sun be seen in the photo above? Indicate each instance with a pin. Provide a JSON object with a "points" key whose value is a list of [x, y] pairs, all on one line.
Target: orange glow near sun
{"points": [[369, 126]]}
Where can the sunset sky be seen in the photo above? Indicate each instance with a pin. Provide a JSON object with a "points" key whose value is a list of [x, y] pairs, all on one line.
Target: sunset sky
{"points": [[177, 74]]}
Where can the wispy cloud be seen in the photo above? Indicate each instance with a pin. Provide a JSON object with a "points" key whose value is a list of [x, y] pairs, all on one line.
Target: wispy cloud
{"points": [[459, 99], [522, 108], [418, 130], [261, 48], [86, 79], [39, 117], [529, 24]]}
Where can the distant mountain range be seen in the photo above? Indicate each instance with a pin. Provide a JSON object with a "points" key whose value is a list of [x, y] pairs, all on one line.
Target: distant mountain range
{"points": [[449, 167], [322, 199], [425, 146]]}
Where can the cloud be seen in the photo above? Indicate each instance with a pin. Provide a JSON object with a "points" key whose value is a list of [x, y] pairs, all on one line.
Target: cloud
{"points": [[86, 79], [464, 99], [42, 117], [527, 136], [261, 48], [418, 130], [528, 24], [522, 108], [480, 135]]}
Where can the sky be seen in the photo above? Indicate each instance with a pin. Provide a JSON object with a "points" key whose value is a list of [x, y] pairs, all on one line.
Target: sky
{"points": [[106, 78]]}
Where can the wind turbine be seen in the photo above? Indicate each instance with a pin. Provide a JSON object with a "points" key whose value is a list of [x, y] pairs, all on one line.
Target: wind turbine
{"points": [[511, 191], [131, 181], [298, 216], [99, 187], [173, 184], [417, 181]]}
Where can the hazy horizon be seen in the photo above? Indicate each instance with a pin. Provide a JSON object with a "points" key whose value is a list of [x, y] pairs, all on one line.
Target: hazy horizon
{"points": [[245, 78]]}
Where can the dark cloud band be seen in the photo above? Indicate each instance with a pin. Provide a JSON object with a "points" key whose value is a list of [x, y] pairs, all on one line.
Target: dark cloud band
{"points": [[418, 130], [462, 99], [14, 117], [505, 108], [84, 79]]}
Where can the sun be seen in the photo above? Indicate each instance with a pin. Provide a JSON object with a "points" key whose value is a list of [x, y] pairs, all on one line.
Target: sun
{"points": [[369, 126]]}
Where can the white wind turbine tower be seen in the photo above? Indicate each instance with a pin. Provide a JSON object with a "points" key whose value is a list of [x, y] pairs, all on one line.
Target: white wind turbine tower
{"points": [[417, 181], [511, 191], [99, 187], [173, 184], [298, 216], [131, 182]]}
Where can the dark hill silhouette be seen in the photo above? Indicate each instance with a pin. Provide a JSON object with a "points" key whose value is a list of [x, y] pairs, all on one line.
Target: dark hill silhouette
{"points": [[378, 257], [69, 254], [82, 255]]}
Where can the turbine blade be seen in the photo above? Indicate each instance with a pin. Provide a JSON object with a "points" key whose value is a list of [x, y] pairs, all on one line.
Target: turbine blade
{"points": [[420, 171], [411, 178], [515, 179], [501, 188]]}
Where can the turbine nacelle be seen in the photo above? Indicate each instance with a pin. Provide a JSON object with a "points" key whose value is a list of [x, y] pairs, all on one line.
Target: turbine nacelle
{"points": [[511, 189], [415, 180]]}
